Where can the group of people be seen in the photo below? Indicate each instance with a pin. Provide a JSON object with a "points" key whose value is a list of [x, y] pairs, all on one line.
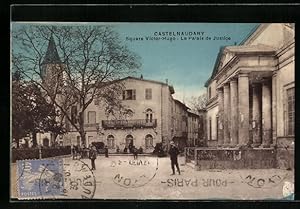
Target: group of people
{"points": [[92, 154]]}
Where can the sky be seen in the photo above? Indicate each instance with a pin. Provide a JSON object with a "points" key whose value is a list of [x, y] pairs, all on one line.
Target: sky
{"points": [[187, 64]]}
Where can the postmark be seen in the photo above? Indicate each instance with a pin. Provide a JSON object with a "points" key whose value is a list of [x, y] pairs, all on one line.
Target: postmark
{"points": [[79, 180], [134, 173], [263, 181]]}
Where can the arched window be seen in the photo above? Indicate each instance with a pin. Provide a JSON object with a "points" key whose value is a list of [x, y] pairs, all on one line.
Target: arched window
{"points": [[129, 140], [149, 115], [149, 141], [111, 142], [46, 142]]}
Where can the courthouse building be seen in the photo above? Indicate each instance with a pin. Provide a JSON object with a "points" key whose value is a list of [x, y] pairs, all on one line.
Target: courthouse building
{"points": [[251, 91]]}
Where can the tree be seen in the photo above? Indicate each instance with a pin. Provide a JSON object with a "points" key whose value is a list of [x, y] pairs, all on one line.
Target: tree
{"points": [[31, 113], [88, 61], [198, 103]]}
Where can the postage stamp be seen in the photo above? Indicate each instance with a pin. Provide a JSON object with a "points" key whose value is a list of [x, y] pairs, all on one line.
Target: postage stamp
{"points": [[40, 178], [54, 179]]}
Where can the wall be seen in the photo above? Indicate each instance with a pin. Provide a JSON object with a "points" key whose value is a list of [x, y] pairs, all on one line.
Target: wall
{"points": [[212, 113], [235, 159], [279, 33], [285, 79]]}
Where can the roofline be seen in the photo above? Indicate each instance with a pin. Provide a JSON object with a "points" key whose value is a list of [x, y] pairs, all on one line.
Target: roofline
{"points": [[215, 66], [181, 103], [251, 33], [142, 79]]}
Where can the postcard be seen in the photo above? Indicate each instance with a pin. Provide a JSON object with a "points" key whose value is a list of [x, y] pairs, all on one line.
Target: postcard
{"points": [[152, 111]]}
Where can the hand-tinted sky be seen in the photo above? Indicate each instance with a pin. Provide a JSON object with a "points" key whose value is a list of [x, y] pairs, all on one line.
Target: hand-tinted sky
{"points": [[187, 64]]}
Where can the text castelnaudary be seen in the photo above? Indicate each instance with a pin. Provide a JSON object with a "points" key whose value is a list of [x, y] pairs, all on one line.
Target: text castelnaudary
{"points": [[179, 33]]}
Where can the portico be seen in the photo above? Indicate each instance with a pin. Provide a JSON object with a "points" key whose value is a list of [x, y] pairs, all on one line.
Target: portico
{"points": [[238, 118]]}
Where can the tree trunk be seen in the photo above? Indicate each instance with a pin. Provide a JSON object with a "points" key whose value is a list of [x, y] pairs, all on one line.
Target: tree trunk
{"points": [[34, 140], [18, 142], [53, 139], [81, 128]]}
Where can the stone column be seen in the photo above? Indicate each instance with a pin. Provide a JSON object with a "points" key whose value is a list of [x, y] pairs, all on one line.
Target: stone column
{"points": [[256, 114], [226, 115], [243, 105], [234, 113], [274, 107], [266, 113], [220, 115]]}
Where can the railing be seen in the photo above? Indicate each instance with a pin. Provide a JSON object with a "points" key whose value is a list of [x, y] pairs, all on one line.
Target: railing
{"points": [[91, 126], [138, 123], [190, 154]]}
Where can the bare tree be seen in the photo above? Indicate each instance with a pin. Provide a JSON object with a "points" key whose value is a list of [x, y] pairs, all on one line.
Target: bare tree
{"points": [[198, 103], [83, 66]]}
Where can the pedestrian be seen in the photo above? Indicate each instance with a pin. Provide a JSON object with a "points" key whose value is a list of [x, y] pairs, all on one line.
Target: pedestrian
{"points": [[106, 151], [125, 150], [140, 150], [173, 152], [73, 151], [93, 156], [118, 149], [135, 152]]}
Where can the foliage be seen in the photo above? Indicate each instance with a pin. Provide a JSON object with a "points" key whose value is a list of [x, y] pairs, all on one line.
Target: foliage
{"points": [[198, 103], [91, 59], [31, 113]]}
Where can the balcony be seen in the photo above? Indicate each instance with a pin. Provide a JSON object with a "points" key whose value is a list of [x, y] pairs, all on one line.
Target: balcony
{"points": [[91, 126], [120, 124]]}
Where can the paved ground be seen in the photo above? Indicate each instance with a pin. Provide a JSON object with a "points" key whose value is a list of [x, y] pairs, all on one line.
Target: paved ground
{"points": [[149, 178]]}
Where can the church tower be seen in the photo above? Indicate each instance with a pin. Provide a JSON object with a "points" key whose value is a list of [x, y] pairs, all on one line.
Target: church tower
{"points": [[52, 67]]}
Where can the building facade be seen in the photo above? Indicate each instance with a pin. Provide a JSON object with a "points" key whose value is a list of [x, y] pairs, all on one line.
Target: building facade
{"points": [[147, 121], [193, 129], [251, 91], [179, 130]]}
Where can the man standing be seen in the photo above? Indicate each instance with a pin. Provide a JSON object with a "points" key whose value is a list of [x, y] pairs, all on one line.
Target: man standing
{"points": [[173, 152], [93, 156]]}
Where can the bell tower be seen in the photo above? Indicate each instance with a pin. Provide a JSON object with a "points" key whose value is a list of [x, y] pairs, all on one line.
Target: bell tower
{"points": [[52, 66]]}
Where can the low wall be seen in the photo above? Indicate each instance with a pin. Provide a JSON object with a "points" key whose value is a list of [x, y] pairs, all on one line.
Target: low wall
{"points": [[285, 152], [213, 158], [34, 153]]}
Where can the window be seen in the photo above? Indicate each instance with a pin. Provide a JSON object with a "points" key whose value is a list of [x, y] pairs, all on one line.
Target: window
{"points": [[111, 142], [129, 94], [148, 94], [149, 141], [209, 92], [149, 115], [129, 140], [217, 125], [290, 111], [91, 117], [210, 129]]}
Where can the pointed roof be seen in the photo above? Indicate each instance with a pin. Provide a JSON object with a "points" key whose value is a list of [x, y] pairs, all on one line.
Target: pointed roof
{"points": [[51, 56]]}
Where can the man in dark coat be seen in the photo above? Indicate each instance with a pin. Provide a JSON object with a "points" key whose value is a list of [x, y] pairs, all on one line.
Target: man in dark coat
{"points": [[93, 156], [106, 150], [173, 152]]}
